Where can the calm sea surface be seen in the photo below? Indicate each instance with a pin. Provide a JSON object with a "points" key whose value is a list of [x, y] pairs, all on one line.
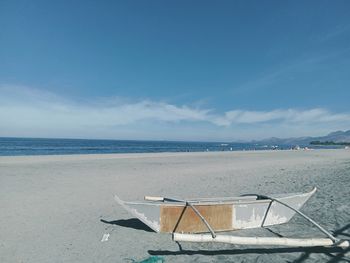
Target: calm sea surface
{"points": [[27, 146]]}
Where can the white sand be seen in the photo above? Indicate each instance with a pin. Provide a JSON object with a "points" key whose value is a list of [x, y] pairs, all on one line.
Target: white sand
{"points": [[51, 206]]}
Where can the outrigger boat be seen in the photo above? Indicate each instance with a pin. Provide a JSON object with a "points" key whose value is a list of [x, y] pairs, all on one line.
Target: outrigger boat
{"points": [[189, 220]]}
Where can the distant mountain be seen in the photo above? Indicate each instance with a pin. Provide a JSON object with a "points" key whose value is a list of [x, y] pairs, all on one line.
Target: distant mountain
{"points": [[337, 137]]}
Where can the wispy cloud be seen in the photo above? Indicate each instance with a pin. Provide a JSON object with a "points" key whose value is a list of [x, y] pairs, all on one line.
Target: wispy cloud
{"points": [[309, 61], [26, 109], [337, 31], [288, 71], [317, 115]]}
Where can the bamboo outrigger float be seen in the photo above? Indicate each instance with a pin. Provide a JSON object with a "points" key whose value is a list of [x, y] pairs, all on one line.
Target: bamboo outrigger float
{"points": [[188, 220]]}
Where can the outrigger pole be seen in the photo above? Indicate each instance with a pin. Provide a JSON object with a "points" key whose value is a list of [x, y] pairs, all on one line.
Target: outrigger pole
{"points": [[267, 241]]}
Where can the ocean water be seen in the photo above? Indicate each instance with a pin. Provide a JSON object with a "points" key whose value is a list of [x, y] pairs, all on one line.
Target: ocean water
{"points": [[29, 146]]}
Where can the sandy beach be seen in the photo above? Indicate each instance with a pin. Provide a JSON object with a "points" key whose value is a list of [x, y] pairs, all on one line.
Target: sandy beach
{"points": [[58, 208]]}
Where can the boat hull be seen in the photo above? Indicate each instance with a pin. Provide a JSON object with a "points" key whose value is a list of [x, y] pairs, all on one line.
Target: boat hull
{"points": [[221, 214]]}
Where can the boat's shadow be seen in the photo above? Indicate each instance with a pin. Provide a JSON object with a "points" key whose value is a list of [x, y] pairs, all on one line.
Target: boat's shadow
{"points": [[335, 254], [129, 223], [317, 250]]}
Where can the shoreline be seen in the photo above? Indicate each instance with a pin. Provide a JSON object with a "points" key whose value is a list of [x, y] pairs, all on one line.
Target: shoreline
{"points": [[165, 154]]}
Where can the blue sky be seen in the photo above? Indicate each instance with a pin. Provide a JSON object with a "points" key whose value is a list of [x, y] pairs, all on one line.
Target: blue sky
{"points": [[174, 70]]}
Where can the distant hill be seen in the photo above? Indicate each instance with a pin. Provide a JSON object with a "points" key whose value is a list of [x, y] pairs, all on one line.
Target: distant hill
{"points": [[336, 137]]}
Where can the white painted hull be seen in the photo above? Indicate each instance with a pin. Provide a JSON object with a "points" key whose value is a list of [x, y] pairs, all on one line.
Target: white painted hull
{"points": [[223, 214]]}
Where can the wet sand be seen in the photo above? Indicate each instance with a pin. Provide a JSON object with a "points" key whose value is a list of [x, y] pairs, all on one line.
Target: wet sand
{"points": [[57, 208]]}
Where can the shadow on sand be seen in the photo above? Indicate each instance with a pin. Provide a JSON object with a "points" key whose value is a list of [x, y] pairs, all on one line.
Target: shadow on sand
{"points": [[335, 254], [244, 251], [339, 253], [129, 223]]}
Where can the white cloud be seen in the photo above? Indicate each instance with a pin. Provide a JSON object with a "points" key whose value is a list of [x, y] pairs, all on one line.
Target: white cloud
{"points": [[292, 116], [35, 112]]}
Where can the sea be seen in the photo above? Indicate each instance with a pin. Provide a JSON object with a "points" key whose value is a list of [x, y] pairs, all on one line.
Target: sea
{"points": [[41, 146]]}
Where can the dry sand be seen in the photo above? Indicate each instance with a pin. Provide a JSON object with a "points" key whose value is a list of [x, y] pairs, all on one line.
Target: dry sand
{"points": [[57, 208]]}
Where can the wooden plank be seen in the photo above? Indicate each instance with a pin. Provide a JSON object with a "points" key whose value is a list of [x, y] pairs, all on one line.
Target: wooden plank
{"points": [[184, 219]]}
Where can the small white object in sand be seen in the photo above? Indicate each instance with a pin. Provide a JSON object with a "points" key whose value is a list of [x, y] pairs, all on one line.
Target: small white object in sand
{"points": [[105, 237]]}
